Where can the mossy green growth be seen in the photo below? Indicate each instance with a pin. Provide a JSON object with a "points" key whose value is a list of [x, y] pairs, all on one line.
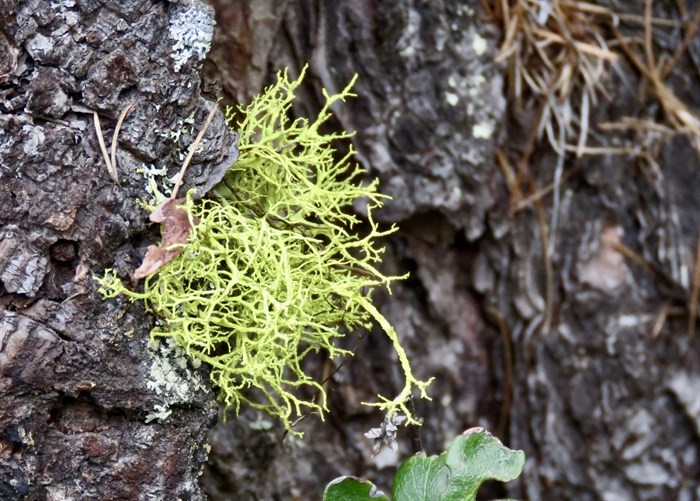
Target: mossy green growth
{"points": [[274, 269]]}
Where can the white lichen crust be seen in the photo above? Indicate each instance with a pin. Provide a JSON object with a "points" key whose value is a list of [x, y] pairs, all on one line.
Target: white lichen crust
{"points": [[171, 377], [192, 30]]}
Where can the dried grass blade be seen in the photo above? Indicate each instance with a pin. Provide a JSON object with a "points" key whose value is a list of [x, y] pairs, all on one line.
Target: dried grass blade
{"points": [[627, 123], [580, 46], [588, 7], [548, 270], [509, 44], [691, 29], [636, 19], [661, 320], [103, 148], [601, 150], [648, 47], [115, 136], [583, 134], [695, 294], [509, 175]]}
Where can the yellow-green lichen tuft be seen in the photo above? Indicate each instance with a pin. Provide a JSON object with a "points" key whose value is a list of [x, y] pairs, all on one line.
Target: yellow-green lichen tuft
{"points": [[275, 269]]}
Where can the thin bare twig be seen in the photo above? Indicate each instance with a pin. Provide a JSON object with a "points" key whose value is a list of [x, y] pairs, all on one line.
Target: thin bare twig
{"points": [[548, 270], [509, 175], [556, 198], [193, 148], [661, 320], [542, 192], [636, 258]]}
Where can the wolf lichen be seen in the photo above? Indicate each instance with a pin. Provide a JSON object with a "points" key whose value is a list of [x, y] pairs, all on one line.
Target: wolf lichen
{"points": [[274, 268]]}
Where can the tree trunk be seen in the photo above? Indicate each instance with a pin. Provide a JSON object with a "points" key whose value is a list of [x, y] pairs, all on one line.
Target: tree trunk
{"points": [[561, 326], [558, 317], [84, 399], [418, 66]]}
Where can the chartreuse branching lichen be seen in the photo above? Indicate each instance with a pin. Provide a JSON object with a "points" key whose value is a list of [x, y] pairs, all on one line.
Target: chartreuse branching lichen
{"points": [[274, 268]]}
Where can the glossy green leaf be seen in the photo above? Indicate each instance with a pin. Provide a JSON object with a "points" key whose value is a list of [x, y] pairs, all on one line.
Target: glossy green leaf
{"points": [[352, 489], [456, 474]]}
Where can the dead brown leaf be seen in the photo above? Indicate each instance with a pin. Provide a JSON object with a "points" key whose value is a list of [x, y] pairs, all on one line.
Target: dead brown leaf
{"points": [[175, 232], [175, 229]]}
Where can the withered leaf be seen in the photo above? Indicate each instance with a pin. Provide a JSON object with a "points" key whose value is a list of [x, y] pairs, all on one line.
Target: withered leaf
{"points": [[175, 231]]}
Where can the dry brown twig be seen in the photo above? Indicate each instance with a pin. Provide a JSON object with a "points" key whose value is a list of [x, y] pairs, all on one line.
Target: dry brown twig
{"points": [[192, 150], [508, 369]]}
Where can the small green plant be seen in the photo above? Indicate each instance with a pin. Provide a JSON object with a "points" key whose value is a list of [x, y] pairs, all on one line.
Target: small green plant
{"points": [[455, 475], [273, 268]]}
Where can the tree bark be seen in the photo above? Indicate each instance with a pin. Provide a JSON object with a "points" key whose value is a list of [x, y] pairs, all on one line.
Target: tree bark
{"points": [[418, 65], [79, 383], [562, 327], [570, 347]]}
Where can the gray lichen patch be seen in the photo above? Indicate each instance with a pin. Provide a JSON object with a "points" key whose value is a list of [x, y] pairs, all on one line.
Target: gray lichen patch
{"points": [[192, 30], [429, 104], [172, 377], [59, 62]]}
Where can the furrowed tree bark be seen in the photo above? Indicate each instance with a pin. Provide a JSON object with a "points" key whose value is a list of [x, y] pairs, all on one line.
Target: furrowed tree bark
{"points": [[568, 347], [79, 384], [428, 106]]}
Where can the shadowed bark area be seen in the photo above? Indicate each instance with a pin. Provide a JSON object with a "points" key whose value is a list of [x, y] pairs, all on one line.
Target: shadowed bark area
{"points": [[572, 346], [79, 385]]}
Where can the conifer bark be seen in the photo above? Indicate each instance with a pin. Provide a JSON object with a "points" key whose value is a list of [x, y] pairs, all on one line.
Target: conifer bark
{"points": [[77, 379], [572, 350]]}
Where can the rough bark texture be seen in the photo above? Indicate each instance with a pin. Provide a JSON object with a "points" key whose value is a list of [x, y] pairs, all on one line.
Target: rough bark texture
{"points": [[556, 356], [428, 107], [560, 350], [77, 380]]}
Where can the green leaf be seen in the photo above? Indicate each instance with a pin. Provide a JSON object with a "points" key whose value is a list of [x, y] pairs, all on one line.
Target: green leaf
{"points": [[455, 475], [352, 489]]}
